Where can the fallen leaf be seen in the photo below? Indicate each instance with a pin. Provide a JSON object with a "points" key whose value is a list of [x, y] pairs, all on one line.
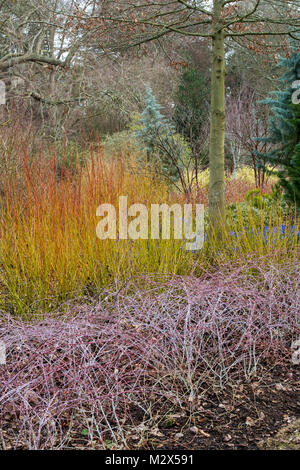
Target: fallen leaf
{"points": [[194, 429], [250, 421], [156, 432], [280, 387]]}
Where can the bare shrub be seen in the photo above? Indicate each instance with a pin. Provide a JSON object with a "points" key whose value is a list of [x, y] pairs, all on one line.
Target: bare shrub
{"points": [[163, 344]]}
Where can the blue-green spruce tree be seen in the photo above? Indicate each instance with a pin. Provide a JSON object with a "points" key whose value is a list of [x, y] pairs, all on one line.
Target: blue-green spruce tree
{"points": [[157, 135], [284, 129]]}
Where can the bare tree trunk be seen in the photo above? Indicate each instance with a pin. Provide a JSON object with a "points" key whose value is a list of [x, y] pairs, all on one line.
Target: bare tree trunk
{"points": [[217, 124]]}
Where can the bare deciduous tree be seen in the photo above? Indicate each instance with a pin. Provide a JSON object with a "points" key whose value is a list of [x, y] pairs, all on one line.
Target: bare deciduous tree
{"points": [[253, 23]]}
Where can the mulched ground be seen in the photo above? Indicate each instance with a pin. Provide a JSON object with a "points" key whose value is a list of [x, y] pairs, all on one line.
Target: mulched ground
{"points": [[240, 418]]}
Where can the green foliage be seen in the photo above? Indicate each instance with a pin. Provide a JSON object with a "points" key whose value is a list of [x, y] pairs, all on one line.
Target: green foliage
{"points": [[284, 131], [257, 199], [276, 192], [239, 212], [191, 105], [289, 174], [165, 149], [258, 206], [135, 124], [152, 123], [123, 145]]}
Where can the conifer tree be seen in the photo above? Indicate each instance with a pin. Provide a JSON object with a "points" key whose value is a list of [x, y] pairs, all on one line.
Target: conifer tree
{"points": [[192, 105], [289, 175], [284, 130], [158, 136], [153, 123]]}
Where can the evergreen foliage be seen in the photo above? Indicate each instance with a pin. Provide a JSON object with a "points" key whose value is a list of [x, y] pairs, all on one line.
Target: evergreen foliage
{"points": [[191, 104], [289, 175], [163, 146], [284, 131], [153, 123]]}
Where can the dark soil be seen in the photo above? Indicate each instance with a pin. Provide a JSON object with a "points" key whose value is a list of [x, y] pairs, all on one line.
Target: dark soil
{"points": [[242, 417]]}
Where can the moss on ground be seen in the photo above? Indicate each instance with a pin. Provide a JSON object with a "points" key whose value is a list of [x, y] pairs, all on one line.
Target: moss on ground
{"points": [[288, 438]]}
